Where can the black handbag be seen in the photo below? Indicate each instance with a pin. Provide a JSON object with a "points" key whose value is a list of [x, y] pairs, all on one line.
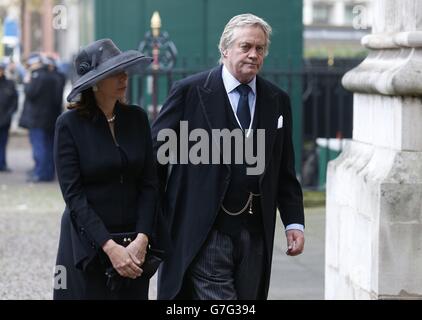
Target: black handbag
{"points": [[153, 259]]}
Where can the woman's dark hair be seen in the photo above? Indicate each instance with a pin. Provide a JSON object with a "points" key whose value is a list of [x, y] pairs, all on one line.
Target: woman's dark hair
{"points": [[86, 106]]}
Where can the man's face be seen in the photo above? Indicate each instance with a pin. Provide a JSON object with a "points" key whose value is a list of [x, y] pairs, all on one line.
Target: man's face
{"points": [[244, 58]]}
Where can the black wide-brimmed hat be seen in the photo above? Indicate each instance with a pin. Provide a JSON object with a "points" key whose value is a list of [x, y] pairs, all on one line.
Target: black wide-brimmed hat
{"points": [[101, 59]]}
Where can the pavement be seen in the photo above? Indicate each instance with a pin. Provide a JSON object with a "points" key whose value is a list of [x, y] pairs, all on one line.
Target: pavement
{"points": [[29, 231]]}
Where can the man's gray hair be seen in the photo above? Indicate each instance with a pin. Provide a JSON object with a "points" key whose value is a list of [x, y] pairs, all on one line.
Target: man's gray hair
{"points": [[240, 21]]}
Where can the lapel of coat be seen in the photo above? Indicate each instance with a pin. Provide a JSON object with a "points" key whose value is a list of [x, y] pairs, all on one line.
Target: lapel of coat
{"points": [[267, 106], [213, 99]]}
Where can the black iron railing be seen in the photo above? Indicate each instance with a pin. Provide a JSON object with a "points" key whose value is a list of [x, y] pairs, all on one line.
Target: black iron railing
{"points": [[323, 110]]}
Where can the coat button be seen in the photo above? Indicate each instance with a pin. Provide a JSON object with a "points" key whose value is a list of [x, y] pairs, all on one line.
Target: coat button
{"points": [[81, 230], [93, 246]]}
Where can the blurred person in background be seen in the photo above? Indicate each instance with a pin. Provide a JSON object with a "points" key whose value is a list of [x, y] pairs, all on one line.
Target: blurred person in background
{"points": [[60, 79], [15, 72], [8, 105], [43, 95]]}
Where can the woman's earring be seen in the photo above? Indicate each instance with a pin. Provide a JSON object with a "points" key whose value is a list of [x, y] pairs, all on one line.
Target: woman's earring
{"points": [[94, 88]]}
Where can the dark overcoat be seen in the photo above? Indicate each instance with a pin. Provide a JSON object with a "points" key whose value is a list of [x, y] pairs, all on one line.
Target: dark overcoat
{"points": [[192, 194], [101, 196], [8, 101], [43, 96]]}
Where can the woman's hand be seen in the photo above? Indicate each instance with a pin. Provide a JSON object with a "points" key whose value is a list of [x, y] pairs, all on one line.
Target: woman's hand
{"points": [[138, 248], [121, 260]]}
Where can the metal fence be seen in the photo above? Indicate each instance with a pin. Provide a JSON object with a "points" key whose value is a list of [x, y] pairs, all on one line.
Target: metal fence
{"points": [[327, 119], [323, 109]]}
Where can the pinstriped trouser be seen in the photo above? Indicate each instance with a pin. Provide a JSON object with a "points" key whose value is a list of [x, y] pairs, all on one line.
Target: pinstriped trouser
{"points": [[228, 267]]}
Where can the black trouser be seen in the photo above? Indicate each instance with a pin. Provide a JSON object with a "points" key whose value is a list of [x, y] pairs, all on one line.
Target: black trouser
{"points": [[228, 267], [4, 135]]}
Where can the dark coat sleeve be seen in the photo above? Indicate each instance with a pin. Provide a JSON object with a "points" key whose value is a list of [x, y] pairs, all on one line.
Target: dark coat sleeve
{"points": [[59, 87], [86, 221], [148, 187], [169, 118], [13, 99], [34, 88], [8, 103], [289, 198]]}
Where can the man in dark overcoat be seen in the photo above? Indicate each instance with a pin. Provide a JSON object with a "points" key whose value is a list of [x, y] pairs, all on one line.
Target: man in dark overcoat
{"points": [[42, 106], [218, 217]]}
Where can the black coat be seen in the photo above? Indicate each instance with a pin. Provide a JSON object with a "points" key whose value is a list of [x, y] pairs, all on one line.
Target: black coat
{"points": [[193, 193], [43, 100], [8, 101], [100, 197], [60, 82]]}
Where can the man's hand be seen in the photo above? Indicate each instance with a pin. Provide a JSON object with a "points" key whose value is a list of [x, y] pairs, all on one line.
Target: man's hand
{"points": [[295, 242], [27, 78]]}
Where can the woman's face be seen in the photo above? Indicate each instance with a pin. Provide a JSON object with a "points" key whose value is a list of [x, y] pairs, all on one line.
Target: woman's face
{"points": [[113, 87]]}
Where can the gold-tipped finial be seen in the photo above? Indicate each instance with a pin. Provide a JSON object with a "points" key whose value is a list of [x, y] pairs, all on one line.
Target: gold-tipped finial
{"points": [[330, 60], [155, 24]]}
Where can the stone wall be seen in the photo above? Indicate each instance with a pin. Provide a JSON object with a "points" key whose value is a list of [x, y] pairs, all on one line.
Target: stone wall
{"points": [[374, 189]]}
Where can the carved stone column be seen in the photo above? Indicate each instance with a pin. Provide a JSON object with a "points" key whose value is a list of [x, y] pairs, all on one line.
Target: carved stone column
{"points": [[374, 189]]}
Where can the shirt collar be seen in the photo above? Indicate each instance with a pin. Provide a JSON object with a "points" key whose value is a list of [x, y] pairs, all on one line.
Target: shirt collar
{"points": [[231, 83]]}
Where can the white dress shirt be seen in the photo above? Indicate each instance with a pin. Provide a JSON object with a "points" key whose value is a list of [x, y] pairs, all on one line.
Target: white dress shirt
{"points": [[230, 84]]}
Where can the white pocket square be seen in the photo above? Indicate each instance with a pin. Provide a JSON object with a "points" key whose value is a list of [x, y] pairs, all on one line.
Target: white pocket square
{"points": [[280, 122]]}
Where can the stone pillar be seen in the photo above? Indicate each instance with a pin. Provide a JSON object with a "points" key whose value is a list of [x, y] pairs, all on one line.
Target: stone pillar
{"points": [[374, 189], [47, 26], [26, 30], [307, 12], [339, 8]]}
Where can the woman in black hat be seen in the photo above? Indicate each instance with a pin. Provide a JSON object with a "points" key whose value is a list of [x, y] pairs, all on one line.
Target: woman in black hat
{"points": [[104, 161]]}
